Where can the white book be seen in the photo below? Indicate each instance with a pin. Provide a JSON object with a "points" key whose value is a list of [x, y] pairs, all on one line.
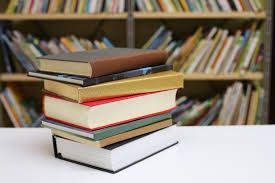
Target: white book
{"points": [[214, 5], [251, 49], [77, 43], [216, 52], [212, 32], [117, 156], [238, 5], [199, 57], [169, 6], [224, 105], [174, 55], [92, 7], [140, 5], [234, 105], [121, 6], [233, 54], [171, 45], [222, 56], [244, 106], [34, 50]]}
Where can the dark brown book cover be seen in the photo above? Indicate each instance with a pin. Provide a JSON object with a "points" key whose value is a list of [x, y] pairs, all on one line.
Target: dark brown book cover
{"points": [[113, 60]]}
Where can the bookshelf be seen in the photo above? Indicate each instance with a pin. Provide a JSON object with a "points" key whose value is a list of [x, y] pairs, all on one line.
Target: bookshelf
{"points": [[131, 30]]}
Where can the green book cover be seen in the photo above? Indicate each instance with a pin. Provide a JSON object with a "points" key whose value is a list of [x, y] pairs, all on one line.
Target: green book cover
{"points": [[106, 132]]}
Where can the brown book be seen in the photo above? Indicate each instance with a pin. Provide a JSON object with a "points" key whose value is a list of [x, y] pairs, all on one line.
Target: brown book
{"points": [[101, 62], [115, 138], [142, 84]]}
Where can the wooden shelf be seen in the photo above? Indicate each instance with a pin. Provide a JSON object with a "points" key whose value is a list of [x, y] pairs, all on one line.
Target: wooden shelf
{"points": [[214, 15], [137, 15], [62, 16], [17, 78], [188, 77], [233, 76]]}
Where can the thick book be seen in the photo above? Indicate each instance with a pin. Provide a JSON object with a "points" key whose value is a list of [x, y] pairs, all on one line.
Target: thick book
{"points": [[105, 132], [115, 157], [115, 138], [86, 81], [143, 84], [104, 113], [95, 63]]}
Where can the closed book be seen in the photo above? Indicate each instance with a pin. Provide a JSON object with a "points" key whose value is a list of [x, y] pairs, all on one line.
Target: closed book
{"points": [[115, 138], [106, 132], [85, 81], [101, 62], [117, 156], [109, 112], [142, 84], [254, 101]]}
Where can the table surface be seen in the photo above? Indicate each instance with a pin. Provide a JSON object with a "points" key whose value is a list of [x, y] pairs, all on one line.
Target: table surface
{"points": [[231, 154]]}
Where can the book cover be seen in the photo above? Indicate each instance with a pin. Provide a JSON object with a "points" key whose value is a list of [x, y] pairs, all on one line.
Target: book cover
{"points": [[84, 81], [106, 132], [142, 84]]}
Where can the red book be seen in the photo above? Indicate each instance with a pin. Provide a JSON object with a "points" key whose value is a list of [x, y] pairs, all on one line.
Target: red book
{"points": [[109, 112]]}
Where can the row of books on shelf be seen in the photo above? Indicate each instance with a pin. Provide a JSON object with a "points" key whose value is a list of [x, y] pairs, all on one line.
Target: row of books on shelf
{"points": [[26, 48], [22, 111], [240, 105], [217, 51], [118, 6], [65, 6], [173, 6]]}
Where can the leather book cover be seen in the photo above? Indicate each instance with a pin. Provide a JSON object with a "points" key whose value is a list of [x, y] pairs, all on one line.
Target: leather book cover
{"points": [[110, 60]]}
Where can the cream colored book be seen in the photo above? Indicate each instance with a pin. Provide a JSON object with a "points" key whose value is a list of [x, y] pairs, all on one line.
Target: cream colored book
{"points": [[143, 84]]}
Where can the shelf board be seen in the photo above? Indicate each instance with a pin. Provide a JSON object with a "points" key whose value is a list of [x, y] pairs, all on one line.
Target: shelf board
{"points": [[211, 15], [17, 78], [137, 15], [188, 77], [62, 16], [222, 77]]}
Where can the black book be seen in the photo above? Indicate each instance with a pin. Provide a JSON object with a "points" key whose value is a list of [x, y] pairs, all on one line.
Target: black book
{"points": [[6, 58], [85, 81], [115, 157]]}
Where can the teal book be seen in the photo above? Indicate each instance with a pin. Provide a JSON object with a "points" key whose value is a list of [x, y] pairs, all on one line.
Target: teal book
{"points": [[106, 132]]}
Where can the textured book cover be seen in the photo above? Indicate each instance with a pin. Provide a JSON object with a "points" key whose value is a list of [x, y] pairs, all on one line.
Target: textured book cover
{"points": [[143, 84]]}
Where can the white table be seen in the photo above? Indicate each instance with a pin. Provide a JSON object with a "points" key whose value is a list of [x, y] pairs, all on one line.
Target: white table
{"points": [[204, 155]]}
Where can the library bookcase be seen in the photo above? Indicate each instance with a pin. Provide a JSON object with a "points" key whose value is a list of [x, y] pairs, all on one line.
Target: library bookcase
{"points": [[132, 29]]}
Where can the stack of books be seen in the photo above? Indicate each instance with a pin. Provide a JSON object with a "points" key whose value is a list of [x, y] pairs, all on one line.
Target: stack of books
{"points": [[26, 48], [65, 6], [240, 105], [20, 109], [173, 6], [113, 106], [217, 51]]}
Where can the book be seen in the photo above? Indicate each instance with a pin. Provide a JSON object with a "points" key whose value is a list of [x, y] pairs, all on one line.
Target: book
{"points": [[142, 84], [113, 139], [105, 132], [14, 119], [85, 81], [135, 150], [254, 100], [94, 63], [98, 114]]}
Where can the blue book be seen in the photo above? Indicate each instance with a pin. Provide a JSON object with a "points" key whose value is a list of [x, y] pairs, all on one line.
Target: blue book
{"points": [[107, 42]]}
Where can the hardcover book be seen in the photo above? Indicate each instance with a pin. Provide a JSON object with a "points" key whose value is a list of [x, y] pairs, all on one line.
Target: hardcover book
{"points": [[85, 81], [115, 138], [95, 63], [143, 84], [110, 158], [105, 132], [100, 114]]}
